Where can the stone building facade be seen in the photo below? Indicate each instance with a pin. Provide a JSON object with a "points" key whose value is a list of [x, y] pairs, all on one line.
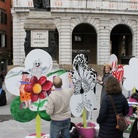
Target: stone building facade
{"points": [[97, 28]]}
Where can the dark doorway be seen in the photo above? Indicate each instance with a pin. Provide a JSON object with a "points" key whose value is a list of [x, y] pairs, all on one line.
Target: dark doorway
{"points": [[56, 51], [84, 40], [121, 43]]}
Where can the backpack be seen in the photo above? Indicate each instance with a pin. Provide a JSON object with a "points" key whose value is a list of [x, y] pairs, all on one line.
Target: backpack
{"points": [[122, 123], [3, 100]]}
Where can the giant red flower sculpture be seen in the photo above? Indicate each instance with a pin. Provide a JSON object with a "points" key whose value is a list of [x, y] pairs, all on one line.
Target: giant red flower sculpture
{"points": [[38, 87]]}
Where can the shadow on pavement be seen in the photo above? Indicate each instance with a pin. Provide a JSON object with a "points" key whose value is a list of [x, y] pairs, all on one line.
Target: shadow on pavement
{"points": [[5, 118]]}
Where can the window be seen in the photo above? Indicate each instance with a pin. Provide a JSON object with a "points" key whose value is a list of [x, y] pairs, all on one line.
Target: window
{"points": [[3, 39], [3, 17], [77, 37]]}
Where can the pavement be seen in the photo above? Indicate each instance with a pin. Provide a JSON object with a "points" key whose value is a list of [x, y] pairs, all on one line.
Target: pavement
{"points": [[9, 128]]}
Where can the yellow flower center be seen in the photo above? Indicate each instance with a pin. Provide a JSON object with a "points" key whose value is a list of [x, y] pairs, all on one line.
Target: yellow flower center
{"points": [[37, 88]]}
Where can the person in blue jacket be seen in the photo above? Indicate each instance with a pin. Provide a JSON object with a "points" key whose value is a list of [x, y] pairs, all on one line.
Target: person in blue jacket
{"points": [[107, 118], [3, 100]]}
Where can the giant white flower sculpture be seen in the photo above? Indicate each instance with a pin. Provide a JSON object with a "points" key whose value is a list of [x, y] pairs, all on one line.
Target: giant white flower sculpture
{"points": [[84, 80], [31, 85], [131, 75]]}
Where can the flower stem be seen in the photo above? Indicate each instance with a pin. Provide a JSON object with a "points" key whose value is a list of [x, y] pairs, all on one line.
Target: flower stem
{"points": [[84, 117], [38, 126]]}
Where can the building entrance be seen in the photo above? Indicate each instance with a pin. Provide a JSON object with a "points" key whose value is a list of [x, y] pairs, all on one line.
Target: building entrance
{"points": [[84, 40], [121, 43]]}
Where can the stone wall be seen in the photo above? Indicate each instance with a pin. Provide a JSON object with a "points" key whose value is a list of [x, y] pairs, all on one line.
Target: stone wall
{"points": [[65, 24]]}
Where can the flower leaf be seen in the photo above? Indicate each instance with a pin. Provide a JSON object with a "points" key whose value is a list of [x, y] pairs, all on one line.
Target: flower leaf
{"points": [[42, 103], [58, 72], [35, 103]]}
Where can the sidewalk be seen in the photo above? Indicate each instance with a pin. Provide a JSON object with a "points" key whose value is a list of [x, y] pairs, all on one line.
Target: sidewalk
{"points": [[10, 128]]}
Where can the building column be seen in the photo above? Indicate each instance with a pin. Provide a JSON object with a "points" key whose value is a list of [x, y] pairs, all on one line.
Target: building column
{"points": [[104, 46], [135, 41], [18, 38], [65, 41]]}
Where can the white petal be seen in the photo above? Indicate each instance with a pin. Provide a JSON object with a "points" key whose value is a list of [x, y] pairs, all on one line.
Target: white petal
{"points": [[90, 100], [76, 105]]}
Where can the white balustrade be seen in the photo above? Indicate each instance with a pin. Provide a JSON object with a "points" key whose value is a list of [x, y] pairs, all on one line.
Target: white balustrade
{"points": [[121, 5]]}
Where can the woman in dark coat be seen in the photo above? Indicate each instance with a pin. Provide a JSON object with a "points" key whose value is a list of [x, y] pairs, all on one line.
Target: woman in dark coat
{"points": [[106, 118], [106, 74], [134, 131]]}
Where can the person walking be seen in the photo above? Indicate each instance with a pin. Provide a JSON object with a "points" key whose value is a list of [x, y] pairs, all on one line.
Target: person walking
{"points": [[102, 80], [3, 100], [59, 110], [107, 118]]}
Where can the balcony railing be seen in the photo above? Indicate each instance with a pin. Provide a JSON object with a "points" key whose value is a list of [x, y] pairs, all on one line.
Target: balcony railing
{"points": [[119, 5]]}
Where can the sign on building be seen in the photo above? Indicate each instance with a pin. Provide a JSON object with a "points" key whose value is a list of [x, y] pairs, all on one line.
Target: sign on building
{"points": [[39, 38]]}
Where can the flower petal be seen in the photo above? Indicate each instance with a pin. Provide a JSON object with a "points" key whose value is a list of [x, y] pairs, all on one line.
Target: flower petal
{"points": [[47, 85], [28, 88], [42, 80], [89, 100], [42, 95], [76, 105], [33, 80], [34, 97]]}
